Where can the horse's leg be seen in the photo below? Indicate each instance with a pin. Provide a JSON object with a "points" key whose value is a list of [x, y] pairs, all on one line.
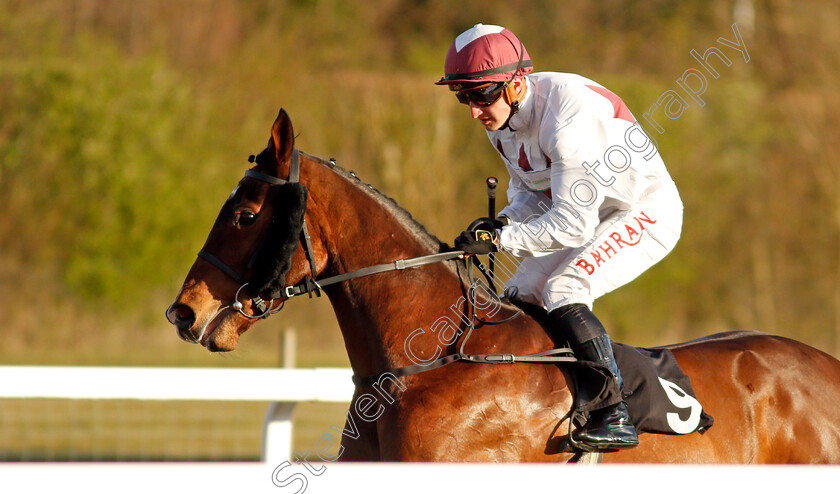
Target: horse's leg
{"points": [[365, 447], [359, 439]]}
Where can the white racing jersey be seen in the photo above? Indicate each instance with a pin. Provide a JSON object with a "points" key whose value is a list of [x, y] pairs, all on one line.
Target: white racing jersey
{"points": [[576, 156]]}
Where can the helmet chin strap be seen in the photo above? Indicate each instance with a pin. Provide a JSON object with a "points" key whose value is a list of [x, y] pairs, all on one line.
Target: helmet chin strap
{"points": [[509, 94], [514, 105]]}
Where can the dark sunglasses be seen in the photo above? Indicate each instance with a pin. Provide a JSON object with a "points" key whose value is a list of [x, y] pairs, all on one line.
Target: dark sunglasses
{"points": [[483, 96]]}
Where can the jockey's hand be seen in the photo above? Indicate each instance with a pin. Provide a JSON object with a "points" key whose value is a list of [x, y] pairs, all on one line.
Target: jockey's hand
{"points": [[487, 224], [479, 238]]}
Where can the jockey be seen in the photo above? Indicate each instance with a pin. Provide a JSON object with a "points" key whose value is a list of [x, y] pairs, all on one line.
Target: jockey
{"points": [[590, 203]]}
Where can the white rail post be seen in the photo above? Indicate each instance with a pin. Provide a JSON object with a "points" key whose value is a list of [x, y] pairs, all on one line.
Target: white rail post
{"points": [[277, 427], [277, 433], [289, 348]]}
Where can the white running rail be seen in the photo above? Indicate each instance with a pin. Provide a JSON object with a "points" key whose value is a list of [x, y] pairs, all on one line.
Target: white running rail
{"points": [[284, 388]]}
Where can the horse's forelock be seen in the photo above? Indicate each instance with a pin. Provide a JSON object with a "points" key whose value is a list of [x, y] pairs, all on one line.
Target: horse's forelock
{"points": [[265, 160]]}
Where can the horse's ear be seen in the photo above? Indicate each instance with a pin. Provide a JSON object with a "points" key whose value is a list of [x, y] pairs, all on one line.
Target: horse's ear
{"points": [[283, 137]]}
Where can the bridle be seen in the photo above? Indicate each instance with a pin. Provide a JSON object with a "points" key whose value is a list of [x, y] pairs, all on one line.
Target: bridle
{"points": [[261, 310], [308, 284]]}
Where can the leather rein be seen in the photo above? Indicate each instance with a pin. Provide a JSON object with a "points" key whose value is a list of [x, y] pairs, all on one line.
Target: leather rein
{"points": [[312, 286]]}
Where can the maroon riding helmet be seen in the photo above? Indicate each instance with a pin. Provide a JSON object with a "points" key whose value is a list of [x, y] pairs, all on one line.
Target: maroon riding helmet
{"points": [[487, 58]]}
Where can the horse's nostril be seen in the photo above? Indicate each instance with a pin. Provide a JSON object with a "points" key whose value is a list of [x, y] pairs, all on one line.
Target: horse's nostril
{"points": [[182, 316]]}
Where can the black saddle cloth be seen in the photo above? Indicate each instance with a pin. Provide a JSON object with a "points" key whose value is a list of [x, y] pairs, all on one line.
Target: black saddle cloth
{"points": [[657, 392]]}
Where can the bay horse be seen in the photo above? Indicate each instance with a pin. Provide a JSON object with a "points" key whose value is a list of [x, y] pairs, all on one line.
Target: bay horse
{"points": [[773, 399]]}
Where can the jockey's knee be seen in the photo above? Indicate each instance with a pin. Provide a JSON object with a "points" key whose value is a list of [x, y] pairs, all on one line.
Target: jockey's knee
{"points": [[524, 292]]}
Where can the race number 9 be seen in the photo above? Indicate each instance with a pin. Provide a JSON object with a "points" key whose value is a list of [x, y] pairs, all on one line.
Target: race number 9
{"points": [[681, 400]]}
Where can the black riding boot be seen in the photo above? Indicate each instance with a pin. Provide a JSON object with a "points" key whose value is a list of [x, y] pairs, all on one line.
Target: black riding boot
{"points": [[610, 427]]}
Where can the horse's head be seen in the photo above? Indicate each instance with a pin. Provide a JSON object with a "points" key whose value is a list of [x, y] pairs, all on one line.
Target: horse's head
{"points": [[251, 253]]}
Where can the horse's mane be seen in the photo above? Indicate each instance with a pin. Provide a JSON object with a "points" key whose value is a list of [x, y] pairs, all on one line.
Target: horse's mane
{"points": [[420, 231], [388, 203]]}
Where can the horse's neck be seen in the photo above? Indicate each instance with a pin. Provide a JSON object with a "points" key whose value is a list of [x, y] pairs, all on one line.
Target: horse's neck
{"points": [[377, 313]]}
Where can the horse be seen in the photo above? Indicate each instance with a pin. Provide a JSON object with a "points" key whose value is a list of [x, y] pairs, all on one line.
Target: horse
{"points": [[295, 221]]}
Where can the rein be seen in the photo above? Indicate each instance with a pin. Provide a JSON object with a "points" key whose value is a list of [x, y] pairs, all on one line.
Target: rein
{"points": [[555, 356], [397, 265]]}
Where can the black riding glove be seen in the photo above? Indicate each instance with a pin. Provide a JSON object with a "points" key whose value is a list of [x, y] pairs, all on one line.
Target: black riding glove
{"points": [[479, 238], [485, 223]]}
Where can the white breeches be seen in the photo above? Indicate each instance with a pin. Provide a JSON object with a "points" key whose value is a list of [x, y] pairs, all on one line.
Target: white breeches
{"points": [[623, 247]]}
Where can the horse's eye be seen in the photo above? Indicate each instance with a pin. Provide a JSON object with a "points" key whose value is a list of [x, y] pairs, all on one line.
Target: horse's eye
{"points": [[246, 218]]}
